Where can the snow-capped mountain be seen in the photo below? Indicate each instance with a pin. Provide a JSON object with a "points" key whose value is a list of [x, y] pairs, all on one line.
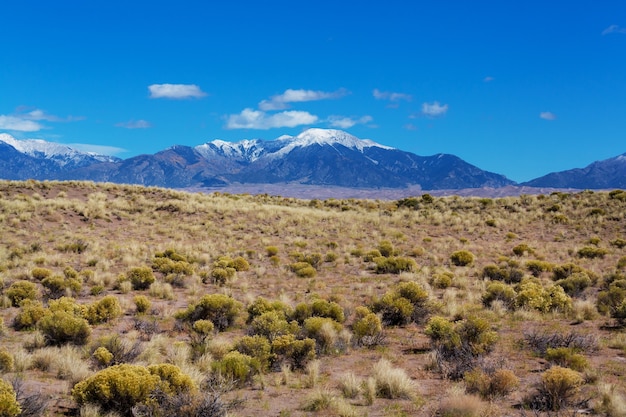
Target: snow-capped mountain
{"points": [[314, 157], [59, 154]]}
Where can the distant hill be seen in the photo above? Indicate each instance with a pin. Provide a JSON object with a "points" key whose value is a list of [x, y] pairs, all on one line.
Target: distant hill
{"points": [[609, 173], [319, 157]]}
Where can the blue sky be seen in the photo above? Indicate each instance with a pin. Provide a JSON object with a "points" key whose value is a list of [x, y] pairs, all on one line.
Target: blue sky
{"points": [[521, 88]]}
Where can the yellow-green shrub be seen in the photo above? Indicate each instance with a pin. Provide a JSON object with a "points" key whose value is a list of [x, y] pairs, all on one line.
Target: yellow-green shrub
{"points": [[203, 327], [40, 273], [60, 327], [558, 386], [257, 347], [140, 277], [21, 290], [103, 356], [324, 331], [261, 305], [297, 353], [497, 384], [106, 309], [567, 357], [532, 294], [172, 379], [404, 303], [499, 291], [6, 360], [142, 303], [117, 388], [462, 258], [9, 407], [221, 309], [28, 316], [272, 324], [367, 328], [237, 367], [394, 265]]}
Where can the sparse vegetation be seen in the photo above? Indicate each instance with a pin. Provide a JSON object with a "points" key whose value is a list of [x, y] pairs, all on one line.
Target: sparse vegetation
{"points": [[295, 304]]}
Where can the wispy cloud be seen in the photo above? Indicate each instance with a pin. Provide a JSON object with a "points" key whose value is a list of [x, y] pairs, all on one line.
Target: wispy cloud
{"points": [[488, 79], [614, 29], [255, 119], [98, 149], [547, 115], [281, 101], [19, 124], [175, 91], [28, 119], [343, 122], [134, 124], [434, 109], [391, 96]]}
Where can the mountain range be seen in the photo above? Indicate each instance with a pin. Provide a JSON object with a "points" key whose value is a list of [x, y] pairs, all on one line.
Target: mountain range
{"points": [[315, 157]]}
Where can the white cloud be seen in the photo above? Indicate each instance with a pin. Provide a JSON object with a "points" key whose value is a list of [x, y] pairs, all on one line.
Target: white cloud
{"points": [[98, 149], [488, 79], [175, 91], [614, 29], [391, 96], [343, 122], [135, 124], [547, 115], [19, 124], [255, 119], [434, 109], [281, 101]]}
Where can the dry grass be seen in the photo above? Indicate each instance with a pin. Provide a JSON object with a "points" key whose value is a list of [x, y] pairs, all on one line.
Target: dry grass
{"points": [[103, 230]]}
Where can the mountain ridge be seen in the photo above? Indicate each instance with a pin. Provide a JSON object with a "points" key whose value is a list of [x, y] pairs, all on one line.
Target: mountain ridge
{"points": [[315, 157]]}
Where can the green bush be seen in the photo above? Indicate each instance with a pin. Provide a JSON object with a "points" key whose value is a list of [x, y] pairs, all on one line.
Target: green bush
{"points": [[103, 356], [367, 328], [536, 267], [221, 276], [621, 263], [40, 273], [330, 309], [104, 310], [522, 249], [119, 388], [141, 277], [303, 269], [533, 295], [618, 243], [257, 347], [271, 251], [28, 316], [221, 309], [261, 305], [499, 291], [21, 290], [57, 285], [462, 258], [492, 386], [575, 283], [9, 407], [142, 304], [272, 324], [567, 357], [203, 327], [592, 252], [324, 331], [404, 303], [558, 386], [371, 255], [295, 352], [61, 327], [507, 273], [6, 360], [394, 265], [385, 248], [565, 270], [237, 367]]}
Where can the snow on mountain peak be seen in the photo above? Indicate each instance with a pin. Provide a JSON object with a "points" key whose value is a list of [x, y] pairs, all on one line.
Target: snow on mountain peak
{"points": [[331, 137], [61, 154]]}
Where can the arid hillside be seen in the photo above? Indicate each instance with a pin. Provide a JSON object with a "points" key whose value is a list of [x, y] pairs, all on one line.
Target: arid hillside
{"points": [[133, 301]]}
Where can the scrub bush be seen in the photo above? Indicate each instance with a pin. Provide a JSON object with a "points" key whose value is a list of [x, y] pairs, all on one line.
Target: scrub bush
{"points": [[271, 325], [9, 407], [394, 265], [142, 303], [61, 327], [499, 291], [404, 303], [28, 316], [104, 310], [531, 294], [237, 367], [295, 352], [462, 258], [221, 309], [257, 347], [21, 290], [141, 277]]}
